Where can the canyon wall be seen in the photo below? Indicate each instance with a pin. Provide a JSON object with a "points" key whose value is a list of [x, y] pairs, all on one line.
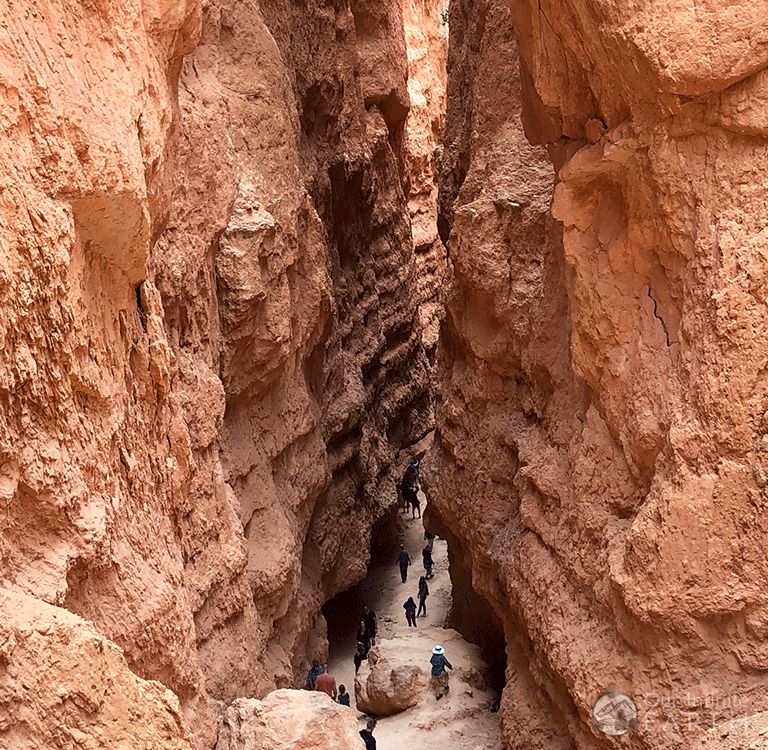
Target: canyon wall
{"points": [[426, 36], [602, 413], [213, 349]]}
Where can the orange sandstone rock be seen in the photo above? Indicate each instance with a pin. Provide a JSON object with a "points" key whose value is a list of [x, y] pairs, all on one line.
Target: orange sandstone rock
{"points": [[600, 452], [212, 350], [62, 684], [289, 719]]}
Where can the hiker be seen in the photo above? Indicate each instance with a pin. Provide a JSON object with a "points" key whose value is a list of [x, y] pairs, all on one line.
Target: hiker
{"points": [[367, 735], [359, 656], [415, 505], [412, 474], [326, 683], [343, 697], [409, 494], [409, 488], [426, 556], [423, 594], [439, 675], [429, 539], [369, 618], [404, 560], [363, 639], [363, 636], [403, 501], [313, 674], [410, 611]]}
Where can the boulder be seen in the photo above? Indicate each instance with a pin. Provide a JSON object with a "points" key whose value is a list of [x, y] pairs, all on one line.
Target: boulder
{"points": [[62, 684], [289, 720], [388, 684], [397, 674]]}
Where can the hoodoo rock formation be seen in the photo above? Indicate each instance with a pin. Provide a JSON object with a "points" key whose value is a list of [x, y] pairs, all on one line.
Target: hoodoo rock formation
{"points": [[600, 460]]}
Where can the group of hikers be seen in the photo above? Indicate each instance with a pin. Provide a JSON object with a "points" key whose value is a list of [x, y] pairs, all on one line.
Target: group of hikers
{"points": [[404, 559], [319, 678], [410, 605]]}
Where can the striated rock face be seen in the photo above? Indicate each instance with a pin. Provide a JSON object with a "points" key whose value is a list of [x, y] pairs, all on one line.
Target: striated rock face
{"points": [[96, 458], [601, 425], [290, 720], [213, 352], [323, 375], [62, 684], [426, 35]]}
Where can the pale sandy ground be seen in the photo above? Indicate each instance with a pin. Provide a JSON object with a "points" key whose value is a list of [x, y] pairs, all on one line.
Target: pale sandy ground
{"points": [[461, 721]]}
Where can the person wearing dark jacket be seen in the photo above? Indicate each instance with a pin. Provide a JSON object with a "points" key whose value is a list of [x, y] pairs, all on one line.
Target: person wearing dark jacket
{"points": [[363, 639], [415, 505], [403, 560], [313, 674], [343, 696], [368, 616], [367, 735], [439, 675], [423, 594], [426, 555], [429, 539], [410, 611]]}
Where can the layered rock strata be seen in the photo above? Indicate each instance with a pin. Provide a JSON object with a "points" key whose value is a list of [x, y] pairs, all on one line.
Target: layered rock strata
{"points": [[426, 35], [602, 417], [213, 351], [323, 373]]}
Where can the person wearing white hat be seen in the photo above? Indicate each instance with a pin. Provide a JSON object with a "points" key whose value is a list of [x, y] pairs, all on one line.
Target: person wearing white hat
{"points": [[439, 675]]}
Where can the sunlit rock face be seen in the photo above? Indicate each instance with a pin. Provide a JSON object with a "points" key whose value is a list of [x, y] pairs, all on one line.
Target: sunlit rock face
{"points": [[318, 342], [63, 684], [426, 34], [96, 456], [602, 413], [213, 352], [289, 719]]}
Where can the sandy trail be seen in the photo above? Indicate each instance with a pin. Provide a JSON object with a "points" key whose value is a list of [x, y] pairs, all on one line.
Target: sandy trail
{"points": [[451, 722], [385, 594]]}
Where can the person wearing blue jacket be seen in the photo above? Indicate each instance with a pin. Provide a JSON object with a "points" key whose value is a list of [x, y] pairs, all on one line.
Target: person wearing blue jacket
{"points": [[439, 675]]}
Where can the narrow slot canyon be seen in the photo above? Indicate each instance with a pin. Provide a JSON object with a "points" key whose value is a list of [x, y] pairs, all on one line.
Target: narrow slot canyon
{"points": [[387, 684], [259, 255]]}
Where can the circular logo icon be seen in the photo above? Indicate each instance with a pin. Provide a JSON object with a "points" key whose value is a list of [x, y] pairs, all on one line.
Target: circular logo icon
{"points": [[614, 713]]}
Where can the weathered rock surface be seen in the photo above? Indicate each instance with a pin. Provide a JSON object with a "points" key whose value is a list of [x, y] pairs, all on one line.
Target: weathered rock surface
{"points": [[601, 424], [95, 453], [289, 720], [213, 355], [426, 35], [323, 375], [64, 685], [388, 684]]}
